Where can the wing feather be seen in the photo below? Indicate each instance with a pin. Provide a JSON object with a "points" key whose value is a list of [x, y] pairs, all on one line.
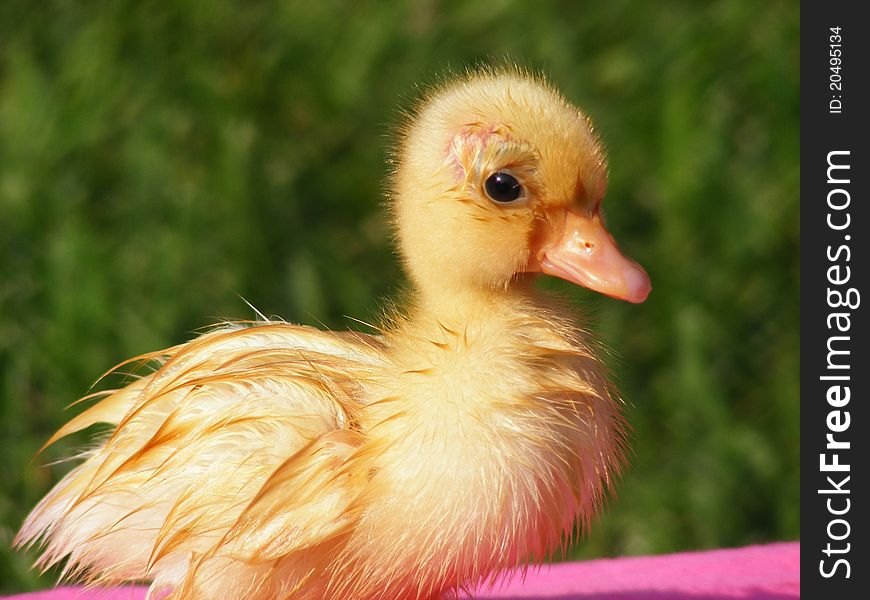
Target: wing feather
{"points": [[232, 449]]}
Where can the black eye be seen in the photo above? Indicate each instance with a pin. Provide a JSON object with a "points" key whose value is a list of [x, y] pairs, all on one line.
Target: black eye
{"points": [[503, 187]]}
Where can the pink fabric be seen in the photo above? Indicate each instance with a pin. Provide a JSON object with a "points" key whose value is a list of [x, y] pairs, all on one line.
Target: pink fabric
{"points": [[770, 572]]}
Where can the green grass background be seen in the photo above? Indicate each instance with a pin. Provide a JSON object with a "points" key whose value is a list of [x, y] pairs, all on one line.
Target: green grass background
{"points": [[158, 160]]}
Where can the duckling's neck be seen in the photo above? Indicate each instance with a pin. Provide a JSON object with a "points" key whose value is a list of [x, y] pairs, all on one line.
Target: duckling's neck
{"points": [[466, 328], [463, 304]]}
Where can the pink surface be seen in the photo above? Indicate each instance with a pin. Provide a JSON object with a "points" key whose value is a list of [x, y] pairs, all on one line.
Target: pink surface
{"points": [[770, 572]]}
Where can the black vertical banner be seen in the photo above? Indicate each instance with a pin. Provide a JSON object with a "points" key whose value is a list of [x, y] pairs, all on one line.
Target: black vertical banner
{"points": [[835, 225]]}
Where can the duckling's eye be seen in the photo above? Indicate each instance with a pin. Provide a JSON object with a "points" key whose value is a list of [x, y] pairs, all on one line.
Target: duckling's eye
{"points": [[503, 187]]}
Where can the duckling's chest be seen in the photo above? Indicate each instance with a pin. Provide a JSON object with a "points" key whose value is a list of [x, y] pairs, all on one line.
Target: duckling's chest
{"points": [[459, 403], [485, 443]]}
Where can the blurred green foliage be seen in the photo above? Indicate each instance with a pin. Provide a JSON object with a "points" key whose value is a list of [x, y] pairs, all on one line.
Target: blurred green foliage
{"points": [[158, 160]]}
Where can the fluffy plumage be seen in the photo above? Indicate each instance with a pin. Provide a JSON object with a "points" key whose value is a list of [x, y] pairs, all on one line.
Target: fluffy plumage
{"points": [[472, 435]]}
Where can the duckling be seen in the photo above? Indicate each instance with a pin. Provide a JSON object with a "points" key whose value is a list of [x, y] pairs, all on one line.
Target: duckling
{"points": [[474, 435]]}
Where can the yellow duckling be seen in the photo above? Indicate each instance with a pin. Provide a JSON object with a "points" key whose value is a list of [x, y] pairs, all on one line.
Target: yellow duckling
{"points": [[273, 461]]}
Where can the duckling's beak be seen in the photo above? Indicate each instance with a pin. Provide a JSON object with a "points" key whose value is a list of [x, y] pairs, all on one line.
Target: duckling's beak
{"points": [[579, 249]]}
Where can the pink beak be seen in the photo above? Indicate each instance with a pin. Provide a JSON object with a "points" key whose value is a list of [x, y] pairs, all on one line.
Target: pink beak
{"points": [[581, 251]]}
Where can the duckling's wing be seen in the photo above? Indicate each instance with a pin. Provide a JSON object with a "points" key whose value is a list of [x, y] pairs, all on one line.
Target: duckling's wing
{"points": [[232, 447]]}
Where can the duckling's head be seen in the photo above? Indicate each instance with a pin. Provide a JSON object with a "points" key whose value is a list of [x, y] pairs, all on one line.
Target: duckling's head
{"points": [[498, 175]]}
